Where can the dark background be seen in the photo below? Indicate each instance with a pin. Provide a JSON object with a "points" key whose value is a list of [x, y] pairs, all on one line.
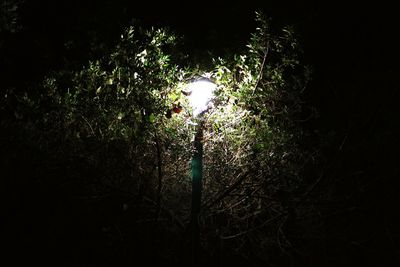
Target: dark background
{"points": [[352, 50]]}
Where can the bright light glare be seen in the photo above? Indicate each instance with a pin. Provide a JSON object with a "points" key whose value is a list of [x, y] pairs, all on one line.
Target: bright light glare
{"points": [[201, 92]]}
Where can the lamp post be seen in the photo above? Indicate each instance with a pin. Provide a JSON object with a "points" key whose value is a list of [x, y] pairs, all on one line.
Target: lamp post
{"points": [[200, 94]]}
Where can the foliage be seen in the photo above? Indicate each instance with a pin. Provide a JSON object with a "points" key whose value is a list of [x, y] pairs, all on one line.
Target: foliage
{"points": [[252, 152], [9, 16], [113, 119]]}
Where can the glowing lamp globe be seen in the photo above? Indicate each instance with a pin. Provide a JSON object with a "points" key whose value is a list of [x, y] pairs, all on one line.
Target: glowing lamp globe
{"points": [[200, 94]]}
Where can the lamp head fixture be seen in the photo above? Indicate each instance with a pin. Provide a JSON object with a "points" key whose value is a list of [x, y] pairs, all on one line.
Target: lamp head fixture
{"points": [[200, 92]]}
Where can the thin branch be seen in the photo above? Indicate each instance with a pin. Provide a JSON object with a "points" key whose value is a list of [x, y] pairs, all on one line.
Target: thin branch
{"points": [[313, 186], [344, 141], [226, 192], [90, 126], [260, 75], [160, 176], [252, 229], [168, 211]]}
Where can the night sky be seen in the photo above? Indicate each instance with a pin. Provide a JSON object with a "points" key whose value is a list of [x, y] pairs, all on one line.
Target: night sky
{"points": [[352, 50]]}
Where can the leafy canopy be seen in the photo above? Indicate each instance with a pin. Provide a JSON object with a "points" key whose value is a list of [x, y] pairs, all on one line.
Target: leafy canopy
{"points": [[116, 116]]}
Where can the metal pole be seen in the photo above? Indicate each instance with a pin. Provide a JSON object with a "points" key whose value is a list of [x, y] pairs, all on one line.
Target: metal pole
{"points": [[197, 177]]}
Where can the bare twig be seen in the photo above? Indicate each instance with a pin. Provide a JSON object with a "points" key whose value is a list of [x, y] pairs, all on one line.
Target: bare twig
{"points": [[343, 142], [260, 75], [90, 126], [313, 186], [252, 229], [160, 176], [226, 192], [168, 211]]}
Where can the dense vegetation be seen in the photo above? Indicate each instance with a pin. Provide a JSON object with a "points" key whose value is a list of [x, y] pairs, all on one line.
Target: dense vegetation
{"points": [[97, 159]]}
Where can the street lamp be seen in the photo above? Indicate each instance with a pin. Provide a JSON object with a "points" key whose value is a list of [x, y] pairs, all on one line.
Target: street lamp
{"points": [[200, 93]]}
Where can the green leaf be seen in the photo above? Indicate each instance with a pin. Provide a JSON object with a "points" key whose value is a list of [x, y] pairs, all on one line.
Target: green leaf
{"points": [[152, 118]]}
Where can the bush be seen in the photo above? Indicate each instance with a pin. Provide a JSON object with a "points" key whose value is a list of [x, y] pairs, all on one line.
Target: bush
{"points": [[111, 127]]}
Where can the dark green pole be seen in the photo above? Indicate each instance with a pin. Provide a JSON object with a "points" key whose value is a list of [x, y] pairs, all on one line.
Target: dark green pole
{"points": [[197, 177]]}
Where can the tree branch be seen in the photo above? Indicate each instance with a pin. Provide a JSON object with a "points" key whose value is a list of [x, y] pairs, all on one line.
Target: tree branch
{"points": [[260, 75], [226, 192], [160, 176]]}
